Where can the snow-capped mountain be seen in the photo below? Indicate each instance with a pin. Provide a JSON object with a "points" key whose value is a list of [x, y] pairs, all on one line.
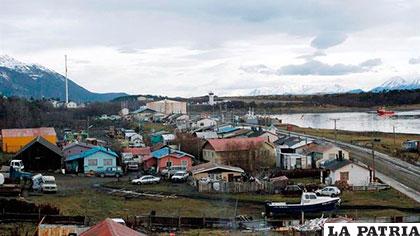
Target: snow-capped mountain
{"points": [[301, 90], [398, 83], [31, 80]]}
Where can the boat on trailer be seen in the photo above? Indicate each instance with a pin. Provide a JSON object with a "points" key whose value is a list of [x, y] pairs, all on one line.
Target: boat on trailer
{"points": [[309, 202]]}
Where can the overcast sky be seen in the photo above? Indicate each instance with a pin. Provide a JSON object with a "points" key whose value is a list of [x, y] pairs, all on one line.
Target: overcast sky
{"points": [[191, 47]]}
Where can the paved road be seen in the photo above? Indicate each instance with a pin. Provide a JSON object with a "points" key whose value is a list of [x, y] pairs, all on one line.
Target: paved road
{"points": [[401, 175]]}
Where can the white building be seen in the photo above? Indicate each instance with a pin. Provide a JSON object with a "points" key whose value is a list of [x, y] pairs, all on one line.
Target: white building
{"points": [[204, 123], [291, 161], [168, 107], [124, 112], [344, 170], [71, 105], [211, 99]]}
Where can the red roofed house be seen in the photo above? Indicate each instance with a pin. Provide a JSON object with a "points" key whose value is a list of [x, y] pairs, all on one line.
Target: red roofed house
{"points": [[139, 152], [109, 227], [247, 153]]}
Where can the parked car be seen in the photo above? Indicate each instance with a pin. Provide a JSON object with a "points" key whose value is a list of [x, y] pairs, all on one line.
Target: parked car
{"points": [[133, 165], [292, 190], [204, 180], [146, 179], [331, 191], [172, 170], [111, 172], [180, 176]]}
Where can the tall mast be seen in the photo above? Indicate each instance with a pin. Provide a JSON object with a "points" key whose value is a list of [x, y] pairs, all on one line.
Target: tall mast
{"points": [[67, 86]]}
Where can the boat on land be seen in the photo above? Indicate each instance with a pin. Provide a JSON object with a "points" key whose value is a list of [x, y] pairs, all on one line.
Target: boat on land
{"points": [[309, 202], [384, 112]]}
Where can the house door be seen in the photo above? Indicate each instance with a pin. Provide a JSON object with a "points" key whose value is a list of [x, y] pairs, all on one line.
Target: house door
{"points": [[230, 177], [344, 176]]}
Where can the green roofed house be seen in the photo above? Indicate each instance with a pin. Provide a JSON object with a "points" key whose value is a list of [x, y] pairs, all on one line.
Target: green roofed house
{"points": [[97, 159]]}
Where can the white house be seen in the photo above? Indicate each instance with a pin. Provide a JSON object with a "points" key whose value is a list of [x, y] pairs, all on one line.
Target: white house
{"points": [[290, 161], [344, 170], [136, 140], [206, 122], [322, 153], [124, 112], [71, 105]]}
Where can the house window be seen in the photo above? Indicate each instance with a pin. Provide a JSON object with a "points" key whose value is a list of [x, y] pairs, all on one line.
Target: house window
{"points": [[184, 162], [93, 162], [168, 164], [344, 176], [107, 162]]}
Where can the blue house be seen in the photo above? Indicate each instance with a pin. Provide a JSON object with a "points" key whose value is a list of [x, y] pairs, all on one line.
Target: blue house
{"points": [[96, 159]]}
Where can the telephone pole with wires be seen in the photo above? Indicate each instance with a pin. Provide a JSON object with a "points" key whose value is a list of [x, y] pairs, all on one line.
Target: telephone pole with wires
{"points": [[335, 128]]}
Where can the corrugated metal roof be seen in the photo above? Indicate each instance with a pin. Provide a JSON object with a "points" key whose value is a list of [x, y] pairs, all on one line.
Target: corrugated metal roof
{"points": [[91, 152], [235, 144], [226, 129], [43, 142], [169, 151], [109, 227], [212, 166], [138, 151], [33, 132]]}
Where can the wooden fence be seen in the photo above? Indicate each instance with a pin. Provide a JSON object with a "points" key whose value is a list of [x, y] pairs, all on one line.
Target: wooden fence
{"points": [[236, 187]]}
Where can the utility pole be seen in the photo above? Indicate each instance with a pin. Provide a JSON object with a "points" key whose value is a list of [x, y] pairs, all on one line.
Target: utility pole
{"points": [[393, 130], [67, 86], [335, 128]]}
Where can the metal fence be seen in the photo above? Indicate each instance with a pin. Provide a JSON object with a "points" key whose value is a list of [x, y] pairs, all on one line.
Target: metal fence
{"points": [[236, 187]]}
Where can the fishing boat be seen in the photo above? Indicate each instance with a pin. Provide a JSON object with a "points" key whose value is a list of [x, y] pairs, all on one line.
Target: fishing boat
{"points": [[309, 202], [384, 112]]}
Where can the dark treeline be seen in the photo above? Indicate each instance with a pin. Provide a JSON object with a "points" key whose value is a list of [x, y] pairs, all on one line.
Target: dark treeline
{"points": [[362, 100], [22, 113], [391, 98]]}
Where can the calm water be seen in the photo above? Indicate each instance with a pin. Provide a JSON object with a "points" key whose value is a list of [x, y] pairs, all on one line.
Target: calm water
{"points": [[404, 122]]}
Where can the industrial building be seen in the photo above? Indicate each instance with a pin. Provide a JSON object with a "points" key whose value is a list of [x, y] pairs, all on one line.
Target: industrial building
{"points": [[168, 107], [15, 139]]}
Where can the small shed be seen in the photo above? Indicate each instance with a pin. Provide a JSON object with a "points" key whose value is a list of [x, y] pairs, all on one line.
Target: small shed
{"points": [[217, 171], [40, 155]]}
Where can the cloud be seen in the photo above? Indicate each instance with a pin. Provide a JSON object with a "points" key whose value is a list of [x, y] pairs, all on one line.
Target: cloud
{"points": [[127, 50], [313, 55], [314, 67], [414, 60], [371, 63], [258, 69], [327, 40]]}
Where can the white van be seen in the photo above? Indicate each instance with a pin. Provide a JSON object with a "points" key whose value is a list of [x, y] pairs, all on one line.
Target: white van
{"points": [[48, 184]]}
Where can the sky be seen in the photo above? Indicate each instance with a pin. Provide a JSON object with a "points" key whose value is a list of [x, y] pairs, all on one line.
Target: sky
{"points": [[192, 47]]}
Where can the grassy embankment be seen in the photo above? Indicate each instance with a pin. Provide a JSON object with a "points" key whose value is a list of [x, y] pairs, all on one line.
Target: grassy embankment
{"points": [[386, 145], [99, 205]]}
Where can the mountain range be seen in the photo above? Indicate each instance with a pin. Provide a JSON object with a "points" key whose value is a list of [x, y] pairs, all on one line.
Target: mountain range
{"points": [[394, 83], [31, 80]]}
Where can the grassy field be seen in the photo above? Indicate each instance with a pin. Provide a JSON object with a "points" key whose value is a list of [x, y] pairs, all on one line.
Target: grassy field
{"points": [[386, 145], [81, 196]]}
